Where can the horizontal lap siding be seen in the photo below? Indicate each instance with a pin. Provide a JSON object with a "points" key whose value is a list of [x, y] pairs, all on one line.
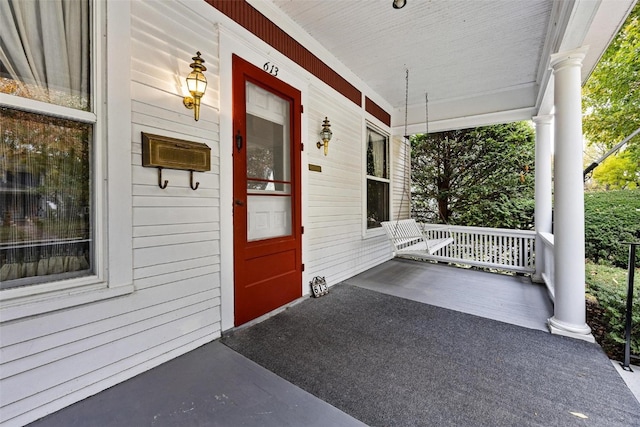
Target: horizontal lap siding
{"points": [[52, 360], [335, 195], [176, 230], [335, 246]]}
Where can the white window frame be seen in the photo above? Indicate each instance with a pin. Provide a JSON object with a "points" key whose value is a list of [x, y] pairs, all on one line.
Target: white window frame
{"points": [[372, 232], [112, 193]]}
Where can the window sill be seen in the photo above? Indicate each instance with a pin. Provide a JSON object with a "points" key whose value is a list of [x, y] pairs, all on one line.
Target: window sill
{"points": [[371, 233], [16, 304]]}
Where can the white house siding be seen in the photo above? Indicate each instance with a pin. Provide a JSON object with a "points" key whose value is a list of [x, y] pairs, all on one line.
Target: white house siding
{"points": [[52, 360], [336, 244]]}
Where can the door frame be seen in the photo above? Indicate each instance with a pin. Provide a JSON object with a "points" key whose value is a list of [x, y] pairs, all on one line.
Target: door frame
{"points": [[247, 47], [243, 72]]}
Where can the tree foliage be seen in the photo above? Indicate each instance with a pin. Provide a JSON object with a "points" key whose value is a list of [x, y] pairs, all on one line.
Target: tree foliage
{"points": [[609, 287], [611, 218], [618, 173], [476, 177], [611, 96]]}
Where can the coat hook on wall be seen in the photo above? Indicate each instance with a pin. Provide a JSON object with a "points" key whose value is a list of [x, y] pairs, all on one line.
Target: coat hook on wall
{"points": [[164, 184], [160, 184], [191, 181]]}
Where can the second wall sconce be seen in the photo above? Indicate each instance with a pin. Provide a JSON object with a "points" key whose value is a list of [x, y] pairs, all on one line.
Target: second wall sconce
{"points": [[197, 84], [325, 133]]}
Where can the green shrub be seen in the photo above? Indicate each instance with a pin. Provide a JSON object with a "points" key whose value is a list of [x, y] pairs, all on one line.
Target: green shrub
{"points": [[611, 218], [609, 286]]}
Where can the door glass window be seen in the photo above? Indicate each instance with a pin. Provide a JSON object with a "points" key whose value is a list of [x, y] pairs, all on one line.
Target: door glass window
{"points": [[268, 165]]}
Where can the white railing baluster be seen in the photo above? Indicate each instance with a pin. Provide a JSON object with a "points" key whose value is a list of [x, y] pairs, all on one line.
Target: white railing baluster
{"points": [[511, 250]]}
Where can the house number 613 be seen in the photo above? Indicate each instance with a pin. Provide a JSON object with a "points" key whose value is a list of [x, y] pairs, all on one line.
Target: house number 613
{"points": [[270, 68]]}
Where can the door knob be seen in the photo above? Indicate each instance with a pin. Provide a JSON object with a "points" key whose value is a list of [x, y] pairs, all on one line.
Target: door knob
{"points": [[239, 141]]}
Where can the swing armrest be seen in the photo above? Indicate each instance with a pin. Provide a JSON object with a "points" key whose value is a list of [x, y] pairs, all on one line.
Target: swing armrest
{"points": [[437, 244], [406, 236]]}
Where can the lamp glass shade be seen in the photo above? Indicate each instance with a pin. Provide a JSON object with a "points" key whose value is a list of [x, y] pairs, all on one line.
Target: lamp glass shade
{"points": [[326, 134], [196, 83]]}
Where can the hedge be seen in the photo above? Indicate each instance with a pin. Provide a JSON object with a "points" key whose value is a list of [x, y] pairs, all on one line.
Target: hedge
{"points": [[611, 218]]}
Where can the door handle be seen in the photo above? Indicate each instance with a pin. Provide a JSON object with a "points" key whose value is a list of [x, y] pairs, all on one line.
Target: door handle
{"points": [[239, 141], [239, 203]]}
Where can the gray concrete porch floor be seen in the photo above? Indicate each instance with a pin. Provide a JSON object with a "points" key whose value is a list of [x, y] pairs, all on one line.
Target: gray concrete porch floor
{"points": [[502, 297], [209, 386], [506, 298], [215, 386]]}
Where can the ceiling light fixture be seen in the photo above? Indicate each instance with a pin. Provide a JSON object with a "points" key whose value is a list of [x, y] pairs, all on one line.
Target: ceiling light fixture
{"points": [[399, 4]]}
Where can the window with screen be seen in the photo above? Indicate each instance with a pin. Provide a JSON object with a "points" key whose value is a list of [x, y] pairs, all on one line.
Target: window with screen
{"points": [[46, 188], [377, 178]]}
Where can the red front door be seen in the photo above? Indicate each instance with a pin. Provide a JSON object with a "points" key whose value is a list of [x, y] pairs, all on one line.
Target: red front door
{"points": [[266, 191]]}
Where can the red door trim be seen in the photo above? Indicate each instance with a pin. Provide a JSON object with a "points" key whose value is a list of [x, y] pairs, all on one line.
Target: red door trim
{"points": [[245, 309]]}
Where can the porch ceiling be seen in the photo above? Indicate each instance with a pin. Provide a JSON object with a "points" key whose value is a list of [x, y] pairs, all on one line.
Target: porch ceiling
{"points": [[480, 61]]}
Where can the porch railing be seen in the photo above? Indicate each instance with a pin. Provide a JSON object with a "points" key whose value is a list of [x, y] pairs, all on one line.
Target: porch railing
{"points": [[546, 262], [510, 250]]}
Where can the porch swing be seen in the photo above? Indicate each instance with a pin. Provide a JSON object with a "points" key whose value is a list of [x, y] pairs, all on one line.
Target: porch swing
{"points": [[405, 234]]}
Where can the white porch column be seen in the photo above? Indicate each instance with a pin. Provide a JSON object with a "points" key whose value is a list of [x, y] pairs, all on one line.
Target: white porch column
{"points": [[543, 208], [569, 316]]}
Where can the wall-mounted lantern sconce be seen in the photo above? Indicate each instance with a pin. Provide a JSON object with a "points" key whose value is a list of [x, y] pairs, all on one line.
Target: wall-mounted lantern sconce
{"points": [[197, 84], [399, 4], [325, 133]]}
